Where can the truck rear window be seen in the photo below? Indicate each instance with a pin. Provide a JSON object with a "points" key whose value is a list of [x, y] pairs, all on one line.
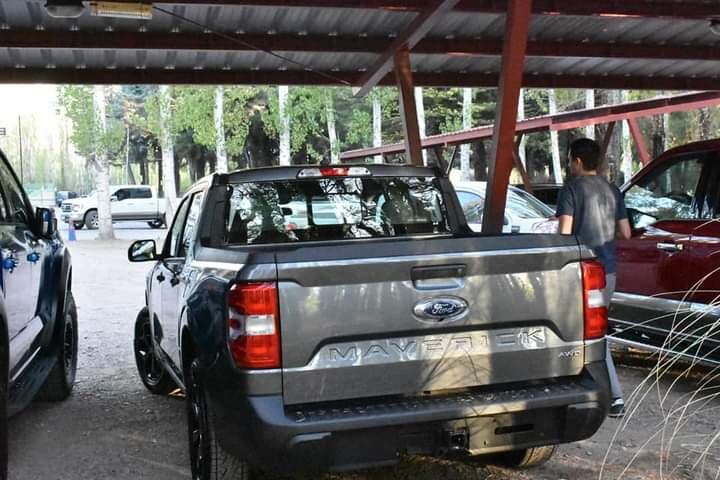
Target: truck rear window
{"points": [[333, 209]]}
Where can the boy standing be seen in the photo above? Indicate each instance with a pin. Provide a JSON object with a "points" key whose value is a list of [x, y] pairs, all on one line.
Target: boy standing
{"points": [[593, 209]]}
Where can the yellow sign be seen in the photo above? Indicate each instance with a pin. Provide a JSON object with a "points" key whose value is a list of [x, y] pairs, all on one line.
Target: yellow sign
{"points": [[141, 11]]}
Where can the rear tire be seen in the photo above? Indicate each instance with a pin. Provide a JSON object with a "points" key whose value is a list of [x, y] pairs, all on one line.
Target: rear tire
{"points": [[152, 373], [208, 460], [91, 220], [157, 223], [526, 458], [61, 380]]}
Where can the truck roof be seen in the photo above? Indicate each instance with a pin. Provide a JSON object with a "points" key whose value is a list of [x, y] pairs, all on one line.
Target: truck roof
{"points": [[266, 174]]}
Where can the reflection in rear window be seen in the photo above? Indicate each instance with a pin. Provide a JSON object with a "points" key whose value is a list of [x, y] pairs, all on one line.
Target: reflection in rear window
{"points": [[333, 209]]}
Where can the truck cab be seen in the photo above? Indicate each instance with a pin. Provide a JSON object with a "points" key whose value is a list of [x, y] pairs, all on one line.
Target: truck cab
{"points": [[668, 274], [128, 203], [307, 341]]}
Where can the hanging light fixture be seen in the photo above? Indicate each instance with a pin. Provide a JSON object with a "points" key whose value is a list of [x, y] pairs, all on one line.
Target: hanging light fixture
{"points": [[64, 8], [137, 11]]}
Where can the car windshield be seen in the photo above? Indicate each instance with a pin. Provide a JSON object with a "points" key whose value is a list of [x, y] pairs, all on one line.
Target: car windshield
{"points": [[519, 203], [334, 209], [524, 205]]}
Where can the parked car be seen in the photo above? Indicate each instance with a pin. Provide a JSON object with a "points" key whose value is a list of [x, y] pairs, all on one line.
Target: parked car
{"points": [[38, 319], [128, 203], [523, 213], [337, 345], [63, 195], [545, 192], [668, 273]]}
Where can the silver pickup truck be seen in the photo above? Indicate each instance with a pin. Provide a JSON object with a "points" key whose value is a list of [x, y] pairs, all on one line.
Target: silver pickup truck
{"points": [[389, 328]]}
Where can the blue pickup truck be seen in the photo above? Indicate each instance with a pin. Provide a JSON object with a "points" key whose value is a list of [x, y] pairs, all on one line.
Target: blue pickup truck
{"points": [[38, 319]]}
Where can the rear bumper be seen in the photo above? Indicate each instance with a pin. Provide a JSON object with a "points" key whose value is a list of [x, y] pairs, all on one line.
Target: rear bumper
{"points": [[375, 432]]}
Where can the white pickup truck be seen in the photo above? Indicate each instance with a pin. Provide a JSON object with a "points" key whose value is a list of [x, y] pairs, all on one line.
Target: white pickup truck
{"points": [[128, 203]]}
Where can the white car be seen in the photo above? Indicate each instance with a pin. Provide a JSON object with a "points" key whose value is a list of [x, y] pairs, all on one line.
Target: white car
{"points": [[128, 203], [523, 213]]}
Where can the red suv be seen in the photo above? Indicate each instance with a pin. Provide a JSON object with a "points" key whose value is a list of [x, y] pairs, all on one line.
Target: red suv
{"points": [[668, 279]]}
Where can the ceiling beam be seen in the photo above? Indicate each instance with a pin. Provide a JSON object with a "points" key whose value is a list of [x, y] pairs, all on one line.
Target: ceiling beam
{"points": [[156, 76], [609, 114], [415, 31], [688, 9], [117, 40]]}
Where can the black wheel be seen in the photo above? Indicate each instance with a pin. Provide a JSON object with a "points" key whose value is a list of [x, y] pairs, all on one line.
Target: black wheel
{"points": [[208, 460], [156, 223], [152, 373], [61, 380], [526, 458], [78, 225], [91, 220]]}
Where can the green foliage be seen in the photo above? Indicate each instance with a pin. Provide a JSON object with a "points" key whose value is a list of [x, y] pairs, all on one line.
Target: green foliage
{"points": [[87, 135]]}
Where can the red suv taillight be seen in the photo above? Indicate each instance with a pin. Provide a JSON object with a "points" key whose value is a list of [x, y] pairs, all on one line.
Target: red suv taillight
{"points": [[594, 304], [254, 325]]}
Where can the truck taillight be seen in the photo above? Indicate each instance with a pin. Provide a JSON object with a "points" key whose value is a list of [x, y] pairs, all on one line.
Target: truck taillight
{"points": [[254, 325], [594, 304]]}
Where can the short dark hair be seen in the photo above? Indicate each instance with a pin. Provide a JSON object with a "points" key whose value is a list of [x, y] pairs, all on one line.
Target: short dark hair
{"points": [[588, 151]]}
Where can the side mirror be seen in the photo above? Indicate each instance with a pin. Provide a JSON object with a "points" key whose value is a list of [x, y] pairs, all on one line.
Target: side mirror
{"points": [[45, 222], [142, 251], [113, 198]]}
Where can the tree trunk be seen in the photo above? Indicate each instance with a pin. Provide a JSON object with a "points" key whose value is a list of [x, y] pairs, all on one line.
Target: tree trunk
{"points": [[221, 165], [626, 163], [102, 186], [377, 124], [332, 131], [420, 106], [467, 124], [590, 103], [523, 139], [168, 153], [481, 163], [128, 166], [554, 146], [283, 92], [705, 123]]}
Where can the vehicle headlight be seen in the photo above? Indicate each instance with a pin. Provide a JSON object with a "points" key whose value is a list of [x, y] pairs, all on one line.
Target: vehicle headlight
{"points": [[76, 208]]}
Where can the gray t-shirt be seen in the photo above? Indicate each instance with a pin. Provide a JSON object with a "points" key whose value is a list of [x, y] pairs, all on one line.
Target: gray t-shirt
{"points": [[595, 205]]}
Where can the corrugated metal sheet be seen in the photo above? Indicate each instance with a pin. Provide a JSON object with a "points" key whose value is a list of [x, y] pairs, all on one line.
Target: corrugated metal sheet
{"points": [[30, 15]]}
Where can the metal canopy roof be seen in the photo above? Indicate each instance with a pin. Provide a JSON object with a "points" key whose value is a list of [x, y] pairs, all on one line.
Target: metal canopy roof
{"points": [[638, 44]]}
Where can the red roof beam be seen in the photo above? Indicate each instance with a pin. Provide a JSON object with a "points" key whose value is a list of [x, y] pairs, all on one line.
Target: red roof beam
{"points": [[613, 113], [561, 121], [517, 24], [414, 32]]}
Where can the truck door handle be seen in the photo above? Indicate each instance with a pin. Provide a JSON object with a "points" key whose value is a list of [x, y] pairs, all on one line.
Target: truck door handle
{"points": [[670, 247], [160, 277], [442, 277], [441, 271]]}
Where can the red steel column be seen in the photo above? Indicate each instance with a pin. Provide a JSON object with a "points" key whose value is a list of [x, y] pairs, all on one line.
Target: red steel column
{"points": [[639, 141], [408, 109], [501, 160]]}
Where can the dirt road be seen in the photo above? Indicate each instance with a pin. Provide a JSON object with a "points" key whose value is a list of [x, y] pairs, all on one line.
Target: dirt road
{"points": [[112, 428]]}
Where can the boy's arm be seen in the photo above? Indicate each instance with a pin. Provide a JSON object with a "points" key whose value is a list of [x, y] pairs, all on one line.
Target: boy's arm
{"points": [[566, 224], [622, 224], [622, 229]]}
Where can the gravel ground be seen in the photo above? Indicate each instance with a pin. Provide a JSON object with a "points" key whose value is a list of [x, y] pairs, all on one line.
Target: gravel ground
{"points": [[112, 428]]}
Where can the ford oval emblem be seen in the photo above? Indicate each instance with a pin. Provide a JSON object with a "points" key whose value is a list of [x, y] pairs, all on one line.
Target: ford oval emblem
{"points": [[441, 309]]}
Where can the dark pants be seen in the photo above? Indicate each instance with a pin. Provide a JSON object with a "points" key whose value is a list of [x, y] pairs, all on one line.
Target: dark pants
{"points": [[615, 387]]}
